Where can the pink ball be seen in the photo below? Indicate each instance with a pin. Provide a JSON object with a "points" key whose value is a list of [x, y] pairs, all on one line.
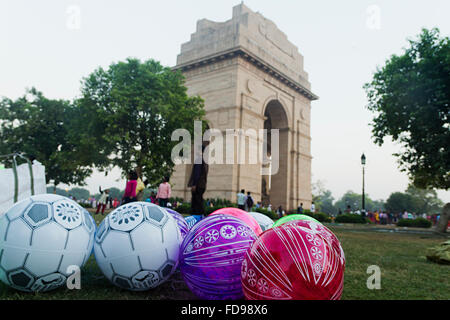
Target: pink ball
{"points": [[299, 260], [243, 215]]}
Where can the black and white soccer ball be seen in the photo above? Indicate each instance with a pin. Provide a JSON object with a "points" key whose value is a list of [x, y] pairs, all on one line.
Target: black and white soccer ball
{"points": [[41, 238], [137, 246]]}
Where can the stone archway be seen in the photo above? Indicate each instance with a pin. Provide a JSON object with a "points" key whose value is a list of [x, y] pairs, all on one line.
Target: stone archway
{"points": [[274, 187], [250, 77]]}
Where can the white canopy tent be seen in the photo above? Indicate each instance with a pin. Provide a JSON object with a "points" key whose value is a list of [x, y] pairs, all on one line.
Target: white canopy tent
{"points": [[20, 182]]}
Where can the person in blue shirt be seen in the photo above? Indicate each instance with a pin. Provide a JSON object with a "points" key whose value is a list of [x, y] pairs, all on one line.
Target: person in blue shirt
{"points": [[241, 200]]}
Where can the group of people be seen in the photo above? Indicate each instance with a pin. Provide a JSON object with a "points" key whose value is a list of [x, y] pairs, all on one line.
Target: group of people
{"points": [[247, 203], [382, 217], [300, 208], [134, 191]]}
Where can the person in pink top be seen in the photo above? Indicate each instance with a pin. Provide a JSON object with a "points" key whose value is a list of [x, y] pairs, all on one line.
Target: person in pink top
{"points": [[130, 189], [164, 192], [153, 197]]}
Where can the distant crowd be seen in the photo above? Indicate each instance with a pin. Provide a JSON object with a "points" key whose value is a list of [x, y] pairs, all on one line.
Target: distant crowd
{"points": [[135, 187], [382, 217], [134, 191], [245, 201]]}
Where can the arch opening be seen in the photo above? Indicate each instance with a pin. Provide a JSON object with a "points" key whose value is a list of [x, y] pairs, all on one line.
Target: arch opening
{"points": [[274, 187]]}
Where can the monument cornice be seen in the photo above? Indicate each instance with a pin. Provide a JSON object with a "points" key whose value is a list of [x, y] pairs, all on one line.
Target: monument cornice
{"points": [[250, 57]]}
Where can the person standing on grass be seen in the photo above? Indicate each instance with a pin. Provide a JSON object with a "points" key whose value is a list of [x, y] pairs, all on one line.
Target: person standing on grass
{"points": [[313, 207], [248, 202], [130, 188], [241, 200], [198, 181], [164, 192], [153, 197], [103, 200], [140, 186], [280, 212], [300, 209], [433, 219], [405, 214]]}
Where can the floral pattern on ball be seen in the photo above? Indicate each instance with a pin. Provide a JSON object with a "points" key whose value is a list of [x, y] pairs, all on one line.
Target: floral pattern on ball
{"points": [[67, 214], [126, 217], [299, 260], [211, 267]]}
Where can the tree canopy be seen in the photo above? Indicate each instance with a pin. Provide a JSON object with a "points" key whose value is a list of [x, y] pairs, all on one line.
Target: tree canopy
{"points": [[124, 117], [398, 202], [131, 109], [41, 128], [323, 198], [414, 200], [354, 200], [78, 193], [410, 96]]}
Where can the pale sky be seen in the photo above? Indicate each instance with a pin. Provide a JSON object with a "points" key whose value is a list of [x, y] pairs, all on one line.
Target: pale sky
{"points": [[52, 45]]}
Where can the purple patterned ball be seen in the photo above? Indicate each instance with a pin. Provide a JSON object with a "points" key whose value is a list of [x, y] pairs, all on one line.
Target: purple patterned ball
{"points": [[212, 254], [181, 222]]}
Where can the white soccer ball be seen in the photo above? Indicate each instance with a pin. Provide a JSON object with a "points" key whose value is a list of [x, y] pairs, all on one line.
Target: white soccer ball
{"points": [[40, 238], [264, 221], [137, 246]]}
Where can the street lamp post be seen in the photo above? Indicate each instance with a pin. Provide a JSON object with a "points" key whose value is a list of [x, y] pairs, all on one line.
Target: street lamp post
{"points": [[363, 162]]}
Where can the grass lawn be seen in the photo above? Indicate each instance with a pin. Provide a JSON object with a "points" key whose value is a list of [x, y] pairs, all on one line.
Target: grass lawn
{"points": [[405, 272]]}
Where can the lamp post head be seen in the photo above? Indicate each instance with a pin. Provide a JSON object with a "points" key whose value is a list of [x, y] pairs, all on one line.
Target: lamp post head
{"points": [[363, 159]]}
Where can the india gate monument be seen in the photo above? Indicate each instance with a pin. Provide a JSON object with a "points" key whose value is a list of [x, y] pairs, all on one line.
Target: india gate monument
{"points": [[251, 77]]}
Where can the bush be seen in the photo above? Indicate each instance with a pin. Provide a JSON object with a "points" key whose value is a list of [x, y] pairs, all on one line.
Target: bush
{"points": [[350, 218], [221, 202], [176, 199], [415, 223], [319, 216], [183, 208], [85, 205]]}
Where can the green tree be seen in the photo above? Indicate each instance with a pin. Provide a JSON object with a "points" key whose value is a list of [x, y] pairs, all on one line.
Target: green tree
{"points": [[323, 198], [354, 200], [41, 129], [398, 202], [79, 193], [115, 193], [130, 111], [425, 201], [325, 203], [414, 200], [379, 204], [410, 96], [58, 191]]}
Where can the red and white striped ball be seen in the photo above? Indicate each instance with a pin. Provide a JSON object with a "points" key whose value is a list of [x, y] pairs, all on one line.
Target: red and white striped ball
{"points": [[301, 260]]}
